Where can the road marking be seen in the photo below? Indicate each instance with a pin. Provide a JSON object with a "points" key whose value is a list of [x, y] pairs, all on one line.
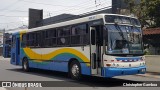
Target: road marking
{"points": [[1, 88]]}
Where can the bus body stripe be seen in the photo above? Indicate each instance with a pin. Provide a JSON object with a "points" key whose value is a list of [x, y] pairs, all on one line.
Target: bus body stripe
{"points": [[33, 55]]}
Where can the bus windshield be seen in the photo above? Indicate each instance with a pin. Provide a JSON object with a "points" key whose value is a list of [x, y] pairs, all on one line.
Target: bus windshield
{"points": [[124, 39], [122, 20]]}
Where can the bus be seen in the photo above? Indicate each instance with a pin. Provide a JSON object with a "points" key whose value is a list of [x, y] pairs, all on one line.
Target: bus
{"points": [[103, 45], [7, 45], [7, 50]]}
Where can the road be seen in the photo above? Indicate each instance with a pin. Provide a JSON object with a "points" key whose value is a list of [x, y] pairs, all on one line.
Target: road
{"points": [[10, 72]]}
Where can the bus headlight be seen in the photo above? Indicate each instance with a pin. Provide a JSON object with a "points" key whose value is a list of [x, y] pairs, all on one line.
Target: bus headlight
{"points": [[144, 63]]}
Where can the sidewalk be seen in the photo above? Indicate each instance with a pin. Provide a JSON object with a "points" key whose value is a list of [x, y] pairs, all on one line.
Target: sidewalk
{"points": [[5, 59], [150, 74], [1, 88]]}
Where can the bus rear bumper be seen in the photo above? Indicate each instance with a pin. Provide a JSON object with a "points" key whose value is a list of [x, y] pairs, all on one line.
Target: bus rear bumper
{"points": [[111, 72]]}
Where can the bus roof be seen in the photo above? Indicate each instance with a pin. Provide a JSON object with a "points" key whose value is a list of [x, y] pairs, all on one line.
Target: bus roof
{"points": [[74, 21], [18, 32]]}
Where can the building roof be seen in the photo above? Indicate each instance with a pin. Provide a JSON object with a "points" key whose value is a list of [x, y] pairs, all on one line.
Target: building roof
{"points": [[151, 31]]}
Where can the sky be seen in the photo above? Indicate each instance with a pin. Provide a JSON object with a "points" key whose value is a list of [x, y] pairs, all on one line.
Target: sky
{"points": [[14, 13]]}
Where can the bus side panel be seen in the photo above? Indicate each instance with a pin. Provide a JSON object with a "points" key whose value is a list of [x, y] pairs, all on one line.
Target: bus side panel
{"points": [[32, 64], [60, 62], [23, 55], [43, 65], [59, 66], [85, 70], [58, 58]]}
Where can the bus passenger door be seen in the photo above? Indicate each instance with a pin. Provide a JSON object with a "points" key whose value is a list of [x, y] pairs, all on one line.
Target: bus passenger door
{"points": [[15, 50], [94, 69]]}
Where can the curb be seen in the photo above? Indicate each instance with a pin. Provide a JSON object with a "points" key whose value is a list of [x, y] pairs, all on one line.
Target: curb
{"points": [[153, 75]]}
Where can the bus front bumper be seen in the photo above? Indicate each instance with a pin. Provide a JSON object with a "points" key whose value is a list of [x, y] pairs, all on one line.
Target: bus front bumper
{"points": [[111, 72]]}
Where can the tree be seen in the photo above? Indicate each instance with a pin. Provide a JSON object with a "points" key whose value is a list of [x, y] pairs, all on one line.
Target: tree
{"points": [[153, 12], [148, 11]]}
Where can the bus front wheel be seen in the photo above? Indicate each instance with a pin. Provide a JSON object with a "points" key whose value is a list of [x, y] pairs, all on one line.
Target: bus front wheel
{"points": [[25, 65], [75, 70]]}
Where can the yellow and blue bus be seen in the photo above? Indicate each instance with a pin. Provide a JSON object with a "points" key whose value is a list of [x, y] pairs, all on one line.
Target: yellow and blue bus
{"points": [[104, 45]]}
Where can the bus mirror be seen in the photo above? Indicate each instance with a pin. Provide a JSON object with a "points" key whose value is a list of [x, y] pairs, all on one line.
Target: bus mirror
{"points": [[93, 37]]}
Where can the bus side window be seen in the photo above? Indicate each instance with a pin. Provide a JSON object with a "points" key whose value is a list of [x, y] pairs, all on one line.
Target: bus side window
{"points": [[42, 44], [23, 43], [50, 38], [79, 34], [63, 36], [27, 39]]}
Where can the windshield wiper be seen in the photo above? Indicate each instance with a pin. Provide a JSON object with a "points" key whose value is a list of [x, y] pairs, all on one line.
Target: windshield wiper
{"points": [[120, 33]]}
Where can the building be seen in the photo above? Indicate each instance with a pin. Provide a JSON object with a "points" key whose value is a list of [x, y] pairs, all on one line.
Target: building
{"points": [[120, 7], [39, 21], [5, 40], [151, 39]]}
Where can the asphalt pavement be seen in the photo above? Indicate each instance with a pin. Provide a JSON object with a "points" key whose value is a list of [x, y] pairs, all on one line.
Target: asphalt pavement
{"points": [[10, 72]]}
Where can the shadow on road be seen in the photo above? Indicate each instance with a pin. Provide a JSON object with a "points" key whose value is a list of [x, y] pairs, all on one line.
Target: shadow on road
{"points": [[86, 81]]}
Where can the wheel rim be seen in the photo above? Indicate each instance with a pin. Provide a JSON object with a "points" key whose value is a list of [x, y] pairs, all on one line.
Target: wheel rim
{"points": [[75, 70], [25, 65]]}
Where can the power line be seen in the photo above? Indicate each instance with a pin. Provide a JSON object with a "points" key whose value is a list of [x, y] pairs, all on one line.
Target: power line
{"points": [[5, 8], [84, 3], [54, 11], [14, 22], [86, 8], [97, 10], [11, 16], [80, 4], [17, 11], [46, 4], [83, 6], [9, 22], [79, 8]]}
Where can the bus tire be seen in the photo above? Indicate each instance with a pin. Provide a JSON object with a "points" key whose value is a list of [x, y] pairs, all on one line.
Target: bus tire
{"points": [[25, 65], [75, 70]]}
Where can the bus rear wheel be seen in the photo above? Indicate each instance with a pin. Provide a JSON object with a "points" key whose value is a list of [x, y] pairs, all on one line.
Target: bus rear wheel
{"points": [[75, 70], [25, 65]]}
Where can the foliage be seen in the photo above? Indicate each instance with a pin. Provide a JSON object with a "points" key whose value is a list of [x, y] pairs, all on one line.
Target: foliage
{"points": [[146, 52], [148, 11]]}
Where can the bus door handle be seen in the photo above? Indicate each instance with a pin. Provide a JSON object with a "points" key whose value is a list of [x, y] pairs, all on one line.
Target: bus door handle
{"points": [[94, 61]]}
